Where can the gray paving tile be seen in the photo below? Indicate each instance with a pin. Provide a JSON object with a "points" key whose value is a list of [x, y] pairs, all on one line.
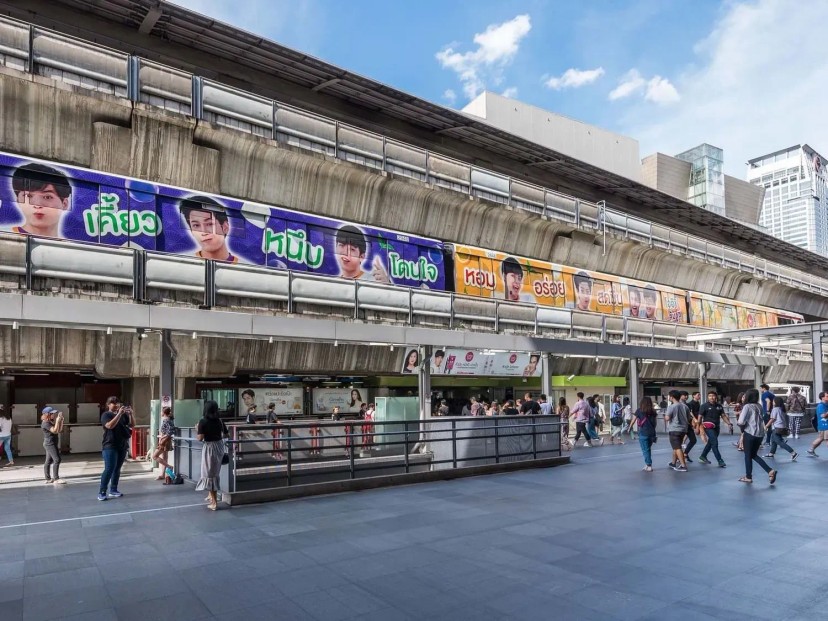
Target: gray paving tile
{"points": [[181, 606], [55, 564], [84, 600]]}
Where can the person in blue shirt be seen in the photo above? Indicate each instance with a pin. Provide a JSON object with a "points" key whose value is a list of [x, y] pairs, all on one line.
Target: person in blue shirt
{"points": [[767, 406], [822, 423]]}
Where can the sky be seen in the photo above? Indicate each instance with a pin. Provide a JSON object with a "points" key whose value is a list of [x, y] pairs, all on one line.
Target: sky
{"points": [[748, 76]]}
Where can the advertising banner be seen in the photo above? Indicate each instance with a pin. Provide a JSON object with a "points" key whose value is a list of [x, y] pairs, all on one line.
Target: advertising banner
{"points": [[288, 400], [453, 361], [51, 200], [706, 310], [496, 275], [349, 400]]}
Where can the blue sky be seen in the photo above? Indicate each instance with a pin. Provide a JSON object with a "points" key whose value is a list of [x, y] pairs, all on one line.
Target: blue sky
{"points": [[748, 76]]}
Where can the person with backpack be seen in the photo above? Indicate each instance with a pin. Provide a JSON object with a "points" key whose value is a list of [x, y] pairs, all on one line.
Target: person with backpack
{"points": [[594, 417], [753, 432], [678, 419], [646, 418], [778, 425], [795, 407], [616, 420]]}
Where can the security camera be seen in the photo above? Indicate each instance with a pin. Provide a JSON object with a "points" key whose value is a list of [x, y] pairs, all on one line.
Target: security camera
{"points": [[570, 378]]}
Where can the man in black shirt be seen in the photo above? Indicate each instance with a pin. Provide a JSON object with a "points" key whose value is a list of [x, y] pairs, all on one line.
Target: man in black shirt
{"points": [[530, 406], [710, 415], [117, 423], [694, 406], [509, 409]]}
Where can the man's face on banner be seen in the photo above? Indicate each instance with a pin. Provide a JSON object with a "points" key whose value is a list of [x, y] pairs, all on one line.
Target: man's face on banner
{"points": [[208, 232], [650, 303], [350, 259], [42, 208], [583, 295], [635, 302], [514, 283]]}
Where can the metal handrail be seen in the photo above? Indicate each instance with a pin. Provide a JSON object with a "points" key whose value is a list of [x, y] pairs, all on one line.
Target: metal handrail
{"points": [[770, 270]]}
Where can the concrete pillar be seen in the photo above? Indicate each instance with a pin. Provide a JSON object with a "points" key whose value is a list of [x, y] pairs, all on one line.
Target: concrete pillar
{"points": [[167, 375], [424, 383], [758, 379], [816, 353], [546, 374], [703, 380], [635, 393]]}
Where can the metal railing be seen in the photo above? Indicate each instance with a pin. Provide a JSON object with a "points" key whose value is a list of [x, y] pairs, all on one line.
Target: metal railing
{"points": [[304, 453], [40, 264], [30, 48]]}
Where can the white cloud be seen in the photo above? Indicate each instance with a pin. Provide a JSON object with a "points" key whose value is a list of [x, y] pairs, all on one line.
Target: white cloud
{"points": [[450, 96], [742, 93], [629, 84], [661, 91], [511, 92], [575, 78], [496, 47]]}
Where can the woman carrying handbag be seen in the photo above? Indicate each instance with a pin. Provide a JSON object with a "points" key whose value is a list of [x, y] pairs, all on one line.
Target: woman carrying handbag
{"points": [[753, 426]]}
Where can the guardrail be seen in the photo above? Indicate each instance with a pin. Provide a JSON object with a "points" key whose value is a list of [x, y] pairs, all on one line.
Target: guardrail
{"points": [[33, 263], [304, 453], [26, 47]]}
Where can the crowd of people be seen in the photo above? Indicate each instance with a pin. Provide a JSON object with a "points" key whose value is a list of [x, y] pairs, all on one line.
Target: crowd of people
{"points": [[764, 420]]}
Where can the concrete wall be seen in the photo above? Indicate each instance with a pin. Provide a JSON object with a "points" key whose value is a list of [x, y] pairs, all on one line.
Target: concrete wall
{"points": [[667, 174], [743, 200], [599, 147]]}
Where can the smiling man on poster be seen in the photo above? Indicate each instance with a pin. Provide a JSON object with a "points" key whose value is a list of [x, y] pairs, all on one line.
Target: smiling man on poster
{"points": [[43, 196], [209, 227]]}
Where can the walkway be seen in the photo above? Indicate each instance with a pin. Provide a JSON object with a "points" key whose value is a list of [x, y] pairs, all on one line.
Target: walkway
{"points": [[597, 539]]}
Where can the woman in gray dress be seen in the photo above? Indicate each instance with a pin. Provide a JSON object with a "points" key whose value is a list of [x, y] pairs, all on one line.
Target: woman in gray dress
{"points": [[211, 432]]}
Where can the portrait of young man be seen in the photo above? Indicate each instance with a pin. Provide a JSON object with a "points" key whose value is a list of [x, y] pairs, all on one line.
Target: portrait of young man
{"points": [[209, 227], [351, 249], [43, 195]]}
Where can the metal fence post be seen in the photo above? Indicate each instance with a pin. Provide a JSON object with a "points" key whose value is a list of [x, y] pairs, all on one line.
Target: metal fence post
{"points": [[497, 441], [349, 434], [197, 98], [31, 60], [405, 436], [133, 78], [139, 275], [451, 311], [356, 299], [29, 274], [497, 316], [289, 455], [336, 139], [384, 153], [290, 292], [454, 444], [577, 213], [410, 306], [534, 438]]}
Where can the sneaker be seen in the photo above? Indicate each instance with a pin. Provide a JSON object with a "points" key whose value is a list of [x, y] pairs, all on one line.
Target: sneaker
{"points": [[794, 455], [811, 453], [114, 493], [648, 468], [59, 482], [687, 458], [703, 460], [674, 466], [586, 444], [722, 464], [680, 469], [47, 481], [11, 463], [102, 496], [600, 441], [769, 455], [671, 465], [796, 437]]}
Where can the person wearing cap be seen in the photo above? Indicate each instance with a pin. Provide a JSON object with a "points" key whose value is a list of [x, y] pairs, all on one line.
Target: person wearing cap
{"points": [[51, 422], [117, 423], [6, 427]]}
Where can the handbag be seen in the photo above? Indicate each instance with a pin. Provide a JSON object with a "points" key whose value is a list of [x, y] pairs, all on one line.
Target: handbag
{"points": [[782, 431], [225, 459], [15, 430]]}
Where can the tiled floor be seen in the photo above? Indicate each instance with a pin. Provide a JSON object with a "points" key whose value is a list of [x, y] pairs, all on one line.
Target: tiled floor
{"points": [[597, 539]]}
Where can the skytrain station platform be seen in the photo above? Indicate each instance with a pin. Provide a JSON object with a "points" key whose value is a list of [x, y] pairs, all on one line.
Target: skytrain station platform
{"points": [[596, 539]]}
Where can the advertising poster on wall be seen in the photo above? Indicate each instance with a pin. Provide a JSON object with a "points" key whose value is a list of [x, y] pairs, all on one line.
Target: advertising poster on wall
{"points": [[453, 361], [706, 310], [496, 275], [288, 400], [348, 400], [64, 202]]}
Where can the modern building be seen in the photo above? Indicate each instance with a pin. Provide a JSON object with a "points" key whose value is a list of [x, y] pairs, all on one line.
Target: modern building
{"points": [[796, 191], [696, 176]]}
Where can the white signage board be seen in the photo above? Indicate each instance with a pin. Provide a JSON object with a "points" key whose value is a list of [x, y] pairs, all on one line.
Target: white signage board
{"points": [[348, 400], [454, 361], [288, 400]]}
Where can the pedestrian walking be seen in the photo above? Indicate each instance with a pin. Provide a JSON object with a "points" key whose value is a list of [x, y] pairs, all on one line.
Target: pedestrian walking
{"points": [[165, 441], [778, 425], [563, 413], [594, 414], [677, 418], [710, 416], [581, 412], [627, 415], [211, 431], [6, 428], [737, 410], [795, 407], [616, 421], [545, 406], [51, 422], [646, 418], [117, 422], [601, 414], [752, 424], [694, 405], [766, 401], [821, 420]]}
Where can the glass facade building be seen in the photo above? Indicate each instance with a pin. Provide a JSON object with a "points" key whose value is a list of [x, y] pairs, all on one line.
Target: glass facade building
{"points": [[707, 186], [796, 192]]}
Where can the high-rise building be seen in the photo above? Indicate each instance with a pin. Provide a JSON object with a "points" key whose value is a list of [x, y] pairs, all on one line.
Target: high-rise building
{"points": [[796, 193]]}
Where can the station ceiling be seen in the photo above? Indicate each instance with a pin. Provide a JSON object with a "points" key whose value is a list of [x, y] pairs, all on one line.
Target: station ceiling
{"points": [[161, 23]]}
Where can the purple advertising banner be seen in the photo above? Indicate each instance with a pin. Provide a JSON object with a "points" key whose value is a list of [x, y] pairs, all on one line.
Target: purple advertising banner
{"points": [[52, 200]]}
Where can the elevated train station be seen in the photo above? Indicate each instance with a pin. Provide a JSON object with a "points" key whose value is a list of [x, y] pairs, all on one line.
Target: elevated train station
{"points": [[175, 107]]}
